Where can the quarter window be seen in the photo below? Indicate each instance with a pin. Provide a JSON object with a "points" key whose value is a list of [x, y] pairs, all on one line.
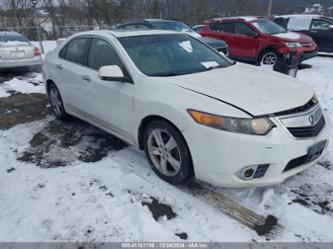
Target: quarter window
{"points": [[76, 51], [102, 54]]}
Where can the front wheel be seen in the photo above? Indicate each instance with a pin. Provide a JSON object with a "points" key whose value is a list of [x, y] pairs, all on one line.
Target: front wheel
{"points": [[167, 152], [268, 58]]}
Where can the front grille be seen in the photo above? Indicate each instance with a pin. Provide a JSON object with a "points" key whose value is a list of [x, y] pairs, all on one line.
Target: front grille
{"points": [[303, 132], [303, 108]]}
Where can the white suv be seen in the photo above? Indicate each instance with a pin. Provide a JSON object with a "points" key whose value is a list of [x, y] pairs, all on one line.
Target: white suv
{"points": [[193, 111]]}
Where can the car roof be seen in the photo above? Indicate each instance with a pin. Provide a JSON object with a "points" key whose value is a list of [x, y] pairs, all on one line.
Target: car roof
{"points": [[298, 15], [118, 33], [160, 20], [242, 18]]}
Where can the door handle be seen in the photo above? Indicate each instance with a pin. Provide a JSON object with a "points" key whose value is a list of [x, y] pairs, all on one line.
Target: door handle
{"points": [[59, 66], [86, 78]]}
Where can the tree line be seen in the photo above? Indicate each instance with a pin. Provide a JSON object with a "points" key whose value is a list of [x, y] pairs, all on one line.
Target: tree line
{"points": [[60, 15]]}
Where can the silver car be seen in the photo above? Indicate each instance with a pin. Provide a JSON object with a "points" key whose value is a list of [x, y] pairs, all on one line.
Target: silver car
{"points": [[16, 51]]}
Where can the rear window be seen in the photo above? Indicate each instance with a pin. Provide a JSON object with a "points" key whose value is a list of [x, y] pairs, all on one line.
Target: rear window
{"points": [[13, 39]]}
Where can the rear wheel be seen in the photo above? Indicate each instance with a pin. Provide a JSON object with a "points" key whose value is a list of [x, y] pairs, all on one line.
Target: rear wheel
{"points": [[56, 102], [167, 152]]}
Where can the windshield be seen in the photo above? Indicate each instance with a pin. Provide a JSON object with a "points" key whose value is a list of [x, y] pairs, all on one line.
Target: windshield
{"points": [[268, 27], [171, 55], [170, 25]]}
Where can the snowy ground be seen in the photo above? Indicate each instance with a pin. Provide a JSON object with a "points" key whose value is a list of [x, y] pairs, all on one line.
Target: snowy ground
{"points": [[73, 182]]}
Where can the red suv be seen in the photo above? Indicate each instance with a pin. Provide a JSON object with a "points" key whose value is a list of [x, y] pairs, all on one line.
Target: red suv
{"points": [[257, 40]]}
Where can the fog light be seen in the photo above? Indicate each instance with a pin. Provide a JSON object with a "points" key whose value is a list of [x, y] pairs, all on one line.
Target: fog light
{"points": [[253, 172], [248, 173]]}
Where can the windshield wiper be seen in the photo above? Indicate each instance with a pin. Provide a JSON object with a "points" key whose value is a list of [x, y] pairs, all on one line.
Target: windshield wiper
{"points": [[215, 67]]}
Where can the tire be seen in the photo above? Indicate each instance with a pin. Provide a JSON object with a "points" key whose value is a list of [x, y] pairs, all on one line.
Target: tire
{"points": [[268, 58], [170, 159], [56, 102]]}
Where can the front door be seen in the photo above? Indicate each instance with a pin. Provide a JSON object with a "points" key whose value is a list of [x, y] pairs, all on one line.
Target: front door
{"points": [[245, 41], [111, 101]]}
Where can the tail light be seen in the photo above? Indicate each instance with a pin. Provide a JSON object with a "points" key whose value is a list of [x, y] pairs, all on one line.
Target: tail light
{"points": [[37, 52]]}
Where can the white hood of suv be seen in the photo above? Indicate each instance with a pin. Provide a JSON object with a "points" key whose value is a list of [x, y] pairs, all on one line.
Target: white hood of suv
{"points": [[252, 89]]}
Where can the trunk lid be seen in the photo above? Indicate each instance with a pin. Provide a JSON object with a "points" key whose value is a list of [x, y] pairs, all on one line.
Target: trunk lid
{"points": [[16, 51]]}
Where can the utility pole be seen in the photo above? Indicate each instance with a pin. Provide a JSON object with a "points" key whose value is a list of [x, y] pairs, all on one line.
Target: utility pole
{"points": [[269, 13], [34, 4]]}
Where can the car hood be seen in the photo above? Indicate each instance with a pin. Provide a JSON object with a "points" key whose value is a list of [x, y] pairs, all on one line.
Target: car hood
{"points": [[294, 37], [251, 89]]}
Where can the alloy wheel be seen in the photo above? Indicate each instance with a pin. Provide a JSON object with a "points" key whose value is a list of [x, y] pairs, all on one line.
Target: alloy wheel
{"points": [[269, 59], [164, 152], [56, 101]]}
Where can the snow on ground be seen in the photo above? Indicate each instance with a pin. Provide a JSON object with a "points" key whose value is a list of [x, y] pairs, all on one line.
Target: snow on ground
{"points": [[19, 85], [58, 183]]}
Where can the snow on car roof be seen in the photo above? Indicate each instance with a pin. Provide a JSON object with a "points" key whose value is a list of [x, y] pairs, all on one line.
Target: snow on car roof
{"points": [[245, 18]]}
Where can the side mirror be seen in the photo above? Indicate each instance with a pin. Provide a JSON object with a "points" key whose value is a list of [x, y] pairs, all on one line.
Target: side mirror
{"points": [[111, 73]]}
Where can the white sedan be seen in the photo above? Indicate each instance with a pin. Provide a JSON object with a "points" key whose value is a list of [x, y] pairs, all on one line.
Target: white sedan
{"points": [[193, 111], [16, 51]]}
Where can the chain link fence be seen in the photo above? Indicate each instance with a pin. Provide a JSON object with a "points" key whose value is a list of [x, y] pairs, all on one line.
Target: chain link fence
{"points": [[50, 32]]}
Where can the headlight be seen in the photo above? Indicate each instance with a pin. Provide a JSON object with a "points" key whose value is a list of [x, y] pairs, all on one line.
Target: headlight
{"points": [[294, 45], [256, 126]]}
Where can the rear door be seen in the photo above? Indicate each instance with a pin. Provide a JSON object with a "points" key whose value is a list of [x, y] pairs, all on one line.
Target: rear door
{"points": [[322, 32], [72, 69], [223, 31]]}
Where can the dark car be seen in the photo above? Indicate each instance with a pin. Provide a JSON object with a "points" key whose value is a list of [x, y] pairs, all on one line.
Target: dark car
{"points": [[257, 40], [178, 26], [320, 28]]}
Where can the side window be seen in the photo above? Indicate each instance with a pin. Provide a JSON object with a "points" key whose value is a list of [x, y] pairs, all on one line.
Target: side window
{"points": [[243, 29], [76, 51], [319, 24], [227, 27], [141, 26], [281, 21], [102, 54], [214, 26]]}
